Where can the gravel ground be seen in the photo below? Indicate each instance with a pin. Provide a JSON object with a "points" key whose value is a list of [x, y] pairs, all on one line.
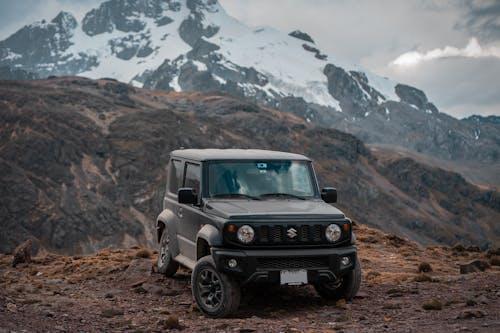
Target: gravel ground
{"points": [[115, 291]]}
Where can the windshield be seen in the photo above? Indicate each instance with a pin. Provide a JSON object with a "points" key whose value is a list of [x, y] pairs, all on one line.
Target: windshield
{"points": [[260, 179]]}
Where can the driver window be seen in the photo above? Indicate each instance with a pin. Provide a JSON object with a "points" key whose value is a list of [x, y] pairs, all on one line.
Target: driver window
{"points": [[175, 176], [192, 177]]}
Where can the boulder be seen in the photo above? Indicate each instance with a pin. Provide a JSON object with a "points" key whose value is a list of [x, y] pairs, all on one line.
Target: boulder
{"points": [[476, 265], [22, 253], [468, 314], [137, 272], [433, 304]]}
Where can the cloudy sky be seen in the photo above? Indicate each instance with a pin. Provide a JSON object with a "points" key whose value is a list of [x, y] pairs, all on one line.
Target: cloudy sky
{"points": [[450, 49]]}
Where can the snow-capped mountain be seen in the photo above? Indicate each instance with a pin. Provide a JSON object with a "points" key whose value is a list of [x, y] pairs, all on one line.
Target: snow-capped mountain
{"points": [[129, 40], [186, 45]]}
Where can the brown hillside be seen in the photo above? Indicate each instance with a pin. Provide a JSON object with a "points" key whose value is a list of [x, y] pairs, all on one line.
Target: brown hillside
{"points": [[83, 166]]}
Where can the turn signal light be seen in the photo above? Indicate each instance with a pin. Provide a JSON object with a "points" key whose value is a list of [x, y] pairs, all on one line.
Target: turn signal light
{"points": [[232, 228]]}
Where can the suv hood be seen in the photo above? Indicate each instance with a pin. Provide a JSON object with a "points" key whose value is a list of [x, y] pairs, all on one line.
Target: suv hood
{"points": [[272, 208]]}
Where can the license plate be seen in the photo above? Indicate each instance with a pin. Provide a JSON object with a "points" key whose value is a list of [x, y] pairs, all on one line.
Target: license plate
{"points": [[295, 277]]}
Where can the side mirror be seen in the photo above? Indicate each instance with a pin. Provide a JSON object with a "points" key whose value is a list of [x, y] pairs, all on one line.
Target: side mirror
{"points": [[329, 194], [187, 195]]}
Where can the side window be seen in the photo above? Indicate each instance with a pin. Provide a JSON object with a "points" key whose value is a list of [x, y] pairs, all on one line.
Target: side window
{"points": [[175, 176], [192, 176]]}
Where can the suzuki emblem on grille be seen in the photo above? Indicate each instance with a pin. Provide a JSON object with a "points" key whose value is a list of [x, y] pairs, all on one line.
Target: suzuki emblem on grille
{"points": [[292, 233]]}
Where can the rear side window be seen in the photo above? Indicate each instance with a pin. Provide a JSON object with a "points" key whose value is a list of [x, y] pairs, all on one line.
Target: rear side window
{"points": [[192, 177], [175, 176]]}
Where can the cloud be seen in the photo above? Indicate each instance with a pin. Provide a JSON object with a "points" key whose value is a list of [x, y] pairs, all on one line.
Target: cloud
{"points": [[459, 86], [482, 19], [472, 50]]}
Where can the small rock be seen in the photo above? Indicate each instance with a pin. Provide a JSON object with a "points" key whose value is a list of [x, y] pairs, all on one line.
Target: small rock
{"points": [[194, 308], [422, 278], [140, 290], [391, 306], [49, 314], [482, 299], [112, 312], [393, 291], [476, 265], [468, 314], [433, 304], [341, 304], [109, 295], [172, 322], [11, 307], [424, 267], [495, 261], [470, 302]]}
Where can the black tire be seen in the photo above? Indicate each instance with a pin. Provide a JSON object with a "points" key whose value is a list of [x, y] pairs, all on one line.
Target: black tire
{"points": [[347, 287], [166, 264], [216, 294]]}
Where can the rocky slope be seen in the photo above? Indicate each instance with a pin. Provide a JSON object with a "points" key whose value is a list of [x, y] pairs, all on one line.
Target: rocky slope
{"points": [[194, 45], [82, 166], [115, 290]]}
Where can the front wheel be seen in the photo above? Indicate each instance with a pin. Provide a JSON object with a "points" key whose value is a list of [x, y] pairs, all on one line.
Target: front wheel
{"points": [[217, 294], [166, 264], [346, 287]]}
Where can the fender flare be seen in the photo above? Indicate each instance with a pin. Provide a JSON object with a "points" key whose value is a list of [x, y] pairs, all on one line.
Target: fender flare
{"points": [[167, 218], [210, 234]]}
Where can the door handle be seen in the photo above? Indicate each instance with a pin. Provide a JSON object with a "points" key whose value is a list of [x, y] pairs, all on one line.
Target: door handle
{"points": [[179, 212]]}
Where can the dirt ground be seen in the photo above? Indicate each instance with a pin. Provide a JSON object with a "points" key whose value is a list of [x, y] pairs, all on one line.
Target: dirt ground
{"points": [[115, 291]]}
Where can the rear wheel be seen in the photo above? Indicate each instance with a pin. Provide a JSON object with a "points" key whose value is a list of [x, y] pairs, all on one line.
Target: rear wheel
{"points": [[166, 264], [217, 294], [346, 287]]}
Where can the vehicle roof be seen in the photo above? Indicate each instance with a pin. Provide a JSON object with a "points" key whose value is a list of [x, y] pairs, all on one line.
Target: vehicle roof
{"points": [[235, 154]]}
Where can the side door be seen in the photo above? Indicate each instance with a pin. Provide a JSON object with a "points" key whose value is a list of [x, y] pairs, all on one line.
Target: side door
{"points": [[189, 215], [174, 182]]}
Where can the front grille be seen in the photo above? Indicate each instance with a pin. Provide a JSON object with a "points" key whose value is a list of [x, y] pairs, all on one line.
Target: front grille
{"points": [[290, 263], [278, 234]]}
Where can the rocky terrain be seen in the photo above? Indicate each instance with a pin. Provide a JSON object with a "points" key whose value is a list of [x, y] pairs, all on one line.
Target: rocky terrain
{"points": [[406, 288], [82, 166], [194, 45]]}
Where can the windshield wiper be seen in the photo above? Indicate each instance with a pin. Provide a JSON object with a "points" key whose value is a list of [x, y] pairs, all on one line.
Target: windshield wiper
{"points": [[278, 194], [235, 195]]}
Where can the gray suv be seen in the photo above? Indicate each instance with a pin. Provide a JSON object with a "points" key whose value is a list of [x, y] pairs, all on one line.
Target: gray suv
{"points": [[237, 216]]}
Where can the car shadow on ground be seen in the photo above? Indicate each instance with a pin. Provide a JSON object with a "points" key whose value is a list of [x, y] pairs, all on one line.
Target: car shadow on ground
{"points": [[267, 301]]}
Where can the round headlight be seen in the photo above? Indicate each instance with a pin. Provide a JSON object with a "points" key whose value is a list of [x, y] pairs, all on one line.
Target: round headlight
{"points": [[333, 233], [246, 234]]}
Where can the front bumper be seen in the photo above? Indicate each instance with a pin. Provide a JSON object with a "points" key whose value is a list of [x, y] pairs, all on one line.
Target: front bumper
{"points": [[265, 265]]}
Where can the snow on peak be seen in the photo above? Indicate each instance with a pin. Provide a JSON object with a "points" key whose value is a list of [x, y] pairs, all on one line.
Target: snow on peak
{"points": [[127, 39]]}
